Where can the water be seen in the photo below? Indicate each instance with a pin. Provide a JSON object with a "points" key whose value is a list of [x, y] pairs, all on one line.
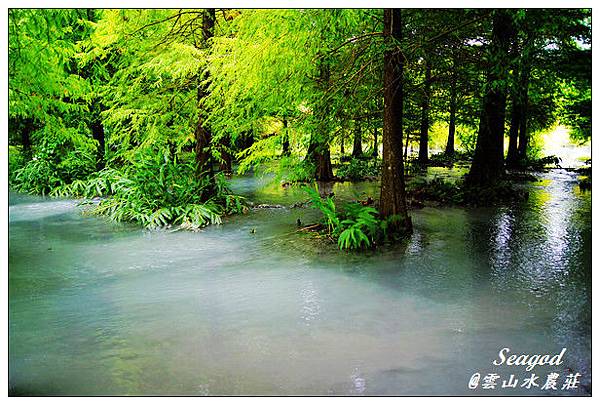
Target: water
{"points": [[98, 308]]}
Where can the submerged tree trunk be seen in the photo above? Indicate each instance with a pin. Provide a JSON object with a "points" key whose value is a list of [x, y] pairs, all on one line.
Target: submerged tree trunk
{"points": [[392, 201], [357, 146], [452, 122], [488, 162], [202, 133], [425, 104]]}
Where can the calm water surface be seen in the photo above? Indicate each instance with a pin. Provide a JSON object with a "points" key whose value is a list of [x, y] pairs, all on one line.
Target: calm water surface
{"points": [[98, 308]]}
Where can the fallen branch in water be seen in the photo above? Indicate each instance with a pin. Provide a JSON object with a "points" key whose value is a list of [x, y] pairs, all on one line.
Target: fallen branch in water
{"points": [[313, 227]]}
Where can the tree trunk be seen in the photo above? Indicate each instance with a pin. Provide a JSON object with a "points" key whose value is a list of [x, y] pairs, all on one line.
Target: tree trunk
{"points": [[286, 139], [98, 135], [318, 153], [488, 162], [28, 128], [202, 133], [524, 88], [392, 200], [318, 149], [245, 140], [357, 146], [452, 122], [425, 103], [516, 114], [375, 145], [513, 134], [225, 165]]}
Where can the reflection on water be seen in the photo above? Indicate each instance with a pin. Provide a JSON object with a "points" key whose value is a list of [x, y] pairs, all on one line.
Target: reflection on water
{"points": [[101, 308]]}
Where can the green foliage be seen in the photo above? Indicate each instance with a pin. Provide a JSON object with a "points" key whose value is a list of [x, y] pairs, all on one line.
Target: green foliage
{"points": [[441, 159], [106, 103], [124, 71], [37, 176], [292, 169], [156, 191], [436, 189], [577, 112], [16, 161], [359, 169], [42, 45], [360, 227], [467, 137], [327, 208], [61, 155], [355, 226]]}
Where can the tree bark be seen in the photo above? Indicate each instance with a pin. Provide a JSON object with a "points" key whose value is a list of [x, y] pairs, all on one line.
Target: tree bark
{"points": [[202, 134], [452, 122], [319, 154], [357, 146], [318, 150], [392, 200], [26, 131], [375, 145], [524, 88], [285, 144], [98, 135], [513, 133], [516, 114], [425, 104], [488, 162]]}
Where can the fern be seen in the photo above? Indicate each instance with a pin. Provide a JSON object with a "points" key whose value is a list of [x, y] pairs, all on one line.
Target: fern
{"points": [[355, 227]]}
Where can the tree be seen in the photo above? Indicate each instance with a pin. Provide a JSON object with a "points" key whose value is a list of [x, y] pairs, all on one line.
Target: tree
{"points": [[202, 132], [393, 195], [318, 150], [449, 151], [357, 144], [488, 162], [425, 106]]}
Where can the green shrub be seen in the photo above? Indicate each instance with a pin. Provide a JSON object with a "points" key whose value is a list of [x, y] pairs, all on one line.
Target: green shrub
{"points": [[296, 170], [60, 156], [435, 190], [354, 227], [16, 161], [156, 190], [359, 169], [38, 176], [361, 227], [441, 159]]}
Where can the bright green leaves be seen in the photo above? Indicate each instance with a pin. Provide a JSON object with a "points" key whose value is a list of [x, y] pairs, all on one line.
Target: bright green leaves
{"points": [[41, 50], [361, 227], [281, 64], [355, 226]]}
